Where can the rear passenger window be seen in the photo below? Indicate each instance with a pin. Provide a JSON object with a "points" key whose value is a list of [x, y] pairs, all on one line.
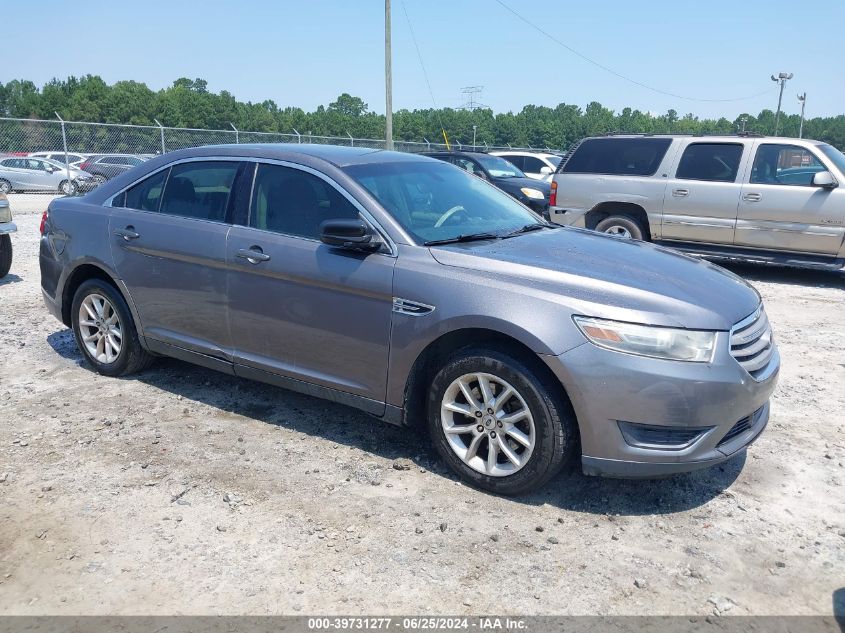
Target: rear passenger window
{"points": [[199, 190], [716, 162], [146, 195], [618, 156], [295, 202]]}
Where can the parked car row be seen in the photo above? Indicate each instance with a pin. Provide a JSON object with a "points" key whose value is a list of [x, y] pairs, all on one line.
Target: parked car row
{"points": [[47, 171], [400, 285]]}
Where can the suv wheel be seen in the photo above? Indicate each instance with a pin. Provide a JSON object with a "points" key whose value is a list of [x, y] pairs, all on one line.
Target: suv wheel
{"points": [[5, 255], [104, 330], [498, 425], [622, 226]]}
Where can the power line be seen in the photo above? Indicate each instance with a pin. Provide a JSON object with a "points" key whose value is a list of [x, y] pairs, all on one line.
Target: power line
{"points": [[618, 74], [422, 65]]}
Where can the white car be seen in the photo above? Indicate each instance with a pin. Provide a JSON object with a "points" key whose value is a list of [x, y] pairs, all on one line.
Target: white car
{"points": [[22, 173], [73, 158], [536, 165]]}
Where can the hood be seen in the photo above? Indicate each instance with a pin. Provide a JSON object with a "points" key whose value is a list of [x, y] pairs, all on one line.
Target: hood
{"points": [[603, 276], [515, 184]]}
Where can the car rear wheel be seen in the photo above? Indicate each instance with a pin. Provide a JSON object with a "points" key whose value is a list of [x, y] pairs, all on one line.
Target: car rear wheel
{"points": [[67, 187], [5, 186], [497, 424], [623, 226], [5, 255], [104, 330]]}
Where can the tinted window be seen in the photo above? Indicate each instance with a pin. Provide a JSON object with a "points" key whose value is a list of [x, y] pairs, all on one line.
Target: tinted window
{"points": [[835, 155], [9, 162], [533, 165], [295, 202], [784, 165], [199, 190], [618, 156], [517, 161], [146, 195], [718, 162], [468, 165]]}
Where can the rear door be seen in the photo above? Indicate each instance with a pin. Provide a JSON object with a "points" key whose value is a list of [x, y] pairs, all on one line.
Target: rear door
{"points": [[302, 309], [702, 194], [780, 209], [169, 246]]}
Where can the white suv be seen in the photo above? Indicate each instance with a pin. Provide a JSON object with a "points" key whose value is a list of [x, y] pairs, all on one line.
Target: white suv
{"points": [[763, 199], [536, 165]]}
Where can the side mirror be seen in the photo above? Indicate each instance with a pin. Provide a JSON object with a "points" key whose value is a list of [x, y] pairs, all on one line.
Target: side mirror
{"points": [[825, 180], [350, 234], [546, 170], [51, 169]]}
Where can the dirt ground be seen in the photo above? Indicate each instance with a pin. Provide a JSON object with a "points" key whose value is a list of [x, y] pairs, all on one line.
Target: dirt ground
{"points": [[186, 491]]}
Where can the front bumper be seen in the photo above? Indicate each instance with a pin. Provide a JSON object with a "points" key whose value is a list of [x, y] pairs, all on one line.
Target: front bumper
{"points": [[608, 387], [7, 227]]}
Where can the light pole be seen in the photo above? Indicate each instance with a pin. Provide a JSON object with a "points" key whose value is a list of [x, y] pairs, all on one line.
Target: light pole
{"points": [[744, 120], [781, 78], [803, 99], [388, 81], [474, 128]]}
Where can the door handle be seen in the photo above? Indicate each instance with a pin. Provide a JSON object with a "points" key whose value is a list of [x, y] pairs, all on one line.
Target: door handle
{"points": [[752, 197], [253, 254], [128, 233], [680, 193]]}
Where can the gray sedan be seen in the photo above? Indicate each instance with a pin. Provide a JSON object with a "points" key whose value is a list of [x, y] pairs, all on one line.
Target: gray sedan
{"points": [[405, 287], [41, 174]]}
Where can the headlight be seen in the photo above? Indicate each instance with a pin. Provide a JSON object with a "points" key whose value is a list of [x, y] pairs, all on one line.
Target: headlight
{"points": [[534, 194], [648, 340], [5, 212]]}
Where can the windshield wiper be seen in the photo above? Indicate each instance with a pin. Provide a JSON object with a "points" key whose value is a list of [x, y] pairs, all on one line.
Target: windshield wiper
{"points": [[527, 229], [469, 237]]}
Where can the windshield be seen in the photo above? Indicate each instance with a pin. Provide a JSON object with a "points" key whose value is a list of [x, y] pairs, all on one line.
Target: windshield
{"points": [[436, 201], [499, 167], [837, 157]]}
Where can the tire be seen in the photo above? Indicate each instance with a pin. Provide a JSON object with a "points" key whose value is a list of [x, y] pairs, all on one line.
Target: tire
{"points": [[98, 179], [551, 425], [130, 357], [67, 187], [5, 255], [5, 186], [622, 226]]}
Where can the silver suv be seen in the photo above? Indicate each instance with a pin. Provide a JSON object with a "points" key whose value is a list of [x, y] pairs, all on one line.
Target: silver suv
{"points": [[768, 200], [410, 289]]}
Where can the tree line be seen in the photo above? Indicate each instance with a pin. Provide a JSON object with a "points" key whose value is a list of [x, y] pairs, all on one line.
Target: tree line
{"points": [[189, 103]]}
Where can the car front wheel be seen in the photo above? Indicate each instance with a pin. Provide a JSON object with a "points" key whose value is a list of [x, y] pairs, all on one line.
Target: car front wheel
{"points": [[497, 423], [104, 330], [5, 255]]}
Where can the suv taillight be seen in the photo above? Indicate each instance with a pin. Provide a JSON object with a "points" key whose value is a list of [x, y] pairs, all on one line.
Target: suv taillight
{"points": [[43, 223], [553, 195]]}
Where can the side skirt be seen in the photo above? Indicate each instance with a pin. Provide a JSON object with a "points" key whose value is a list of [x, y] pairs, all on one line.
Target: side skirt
{"points": [[388, 413], [753, 256]]}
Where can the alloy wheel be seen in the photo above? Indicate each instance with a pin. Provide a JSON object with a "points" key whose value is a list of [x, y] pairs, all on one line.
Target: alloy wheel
{"points": [[100, 328], [488, 424], [618, 231]]}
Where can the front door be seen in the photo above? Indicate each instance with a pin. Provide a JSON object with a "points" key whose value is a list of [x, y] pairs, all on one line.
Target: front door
{"points": [[169, 247], [300, 308], [780, 209], [700, 202]]}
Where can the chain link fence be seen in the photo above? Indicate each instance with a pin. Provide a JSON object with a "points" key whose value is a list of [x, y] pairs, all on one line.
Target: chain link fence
{"points": [[66, 146]]}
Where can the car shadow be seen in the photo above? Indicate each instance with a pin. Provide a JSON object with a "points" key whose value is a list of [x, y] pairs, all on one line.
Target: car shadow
{"points": [[791, 276], [570, 490], [10, 279]]}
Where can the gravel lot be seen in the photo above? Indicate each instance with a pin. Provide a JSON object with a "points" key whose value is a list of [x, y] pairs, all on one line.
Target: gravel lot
{"points": [[186, 491]]}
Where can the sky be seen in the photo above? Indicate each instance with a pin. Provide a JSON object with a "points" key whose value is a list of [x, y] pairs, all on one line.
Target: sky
{"points": [[306, 52]]}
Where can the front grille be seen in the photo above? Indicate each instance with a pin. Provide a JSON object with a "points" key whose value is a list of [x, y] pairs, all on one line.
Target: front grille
{"points": [[752, 342], [740, 427]]}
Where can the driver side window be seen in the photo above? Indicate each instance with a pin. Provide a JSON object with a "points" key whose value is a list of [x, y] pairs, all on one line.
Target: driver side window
{"points": [[468, 165], [784, 165]]}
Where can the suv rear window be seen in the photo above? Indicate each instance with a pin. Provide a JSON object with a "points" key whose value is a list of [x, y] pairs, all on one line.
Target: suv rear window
{"points": [[618, 156]]}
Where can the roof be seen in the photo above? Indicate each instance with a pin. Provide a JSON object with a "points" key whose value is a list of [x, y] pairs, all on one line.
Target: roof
{"points": [[338, 155]]}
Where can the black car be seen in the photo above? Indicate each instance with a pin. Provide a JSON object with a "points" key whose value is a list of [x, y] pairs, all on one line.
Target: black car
{"points": [[503, 174], [104, 167]]}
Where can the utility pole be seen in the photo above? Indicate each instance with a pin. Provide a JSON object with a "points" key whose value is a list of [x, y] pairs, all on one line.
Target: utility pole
{"points": [[782, 79], [388, 81], [803, 99], [474, 128]]}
